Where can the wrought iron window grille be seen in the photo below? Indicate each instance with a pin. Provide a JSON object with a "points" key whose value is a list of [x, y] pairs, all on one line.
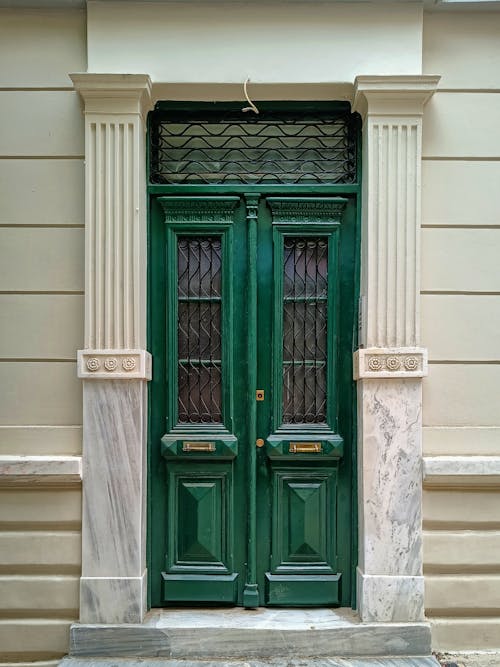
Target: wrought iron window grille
{"points": [[224, 147]]}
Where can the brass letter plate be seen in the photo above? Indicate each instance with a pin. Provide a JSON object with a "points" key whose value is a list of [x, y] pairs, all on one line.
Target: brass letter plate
{"points": [[305, 447], [198, 446]]}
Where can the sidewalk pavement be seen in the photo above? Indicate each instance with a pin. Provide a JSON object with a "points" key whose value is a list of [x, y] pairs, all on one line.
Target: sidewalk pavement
{"points": [[479, 659]]}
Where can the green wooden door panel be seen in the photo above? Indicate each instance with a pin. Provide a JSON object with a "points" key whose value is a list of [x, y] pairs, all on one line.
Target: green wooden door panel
{"points": [[200, 588], [303, 520], [232, 522], [200, 536], [302, 591]]}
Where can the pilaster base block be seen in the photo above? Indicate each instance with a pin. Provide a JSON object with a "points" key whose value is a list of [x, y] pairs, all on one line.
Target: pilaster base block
{"points": [[114, 364], [113, 599], [390, 599], [390, 362]]}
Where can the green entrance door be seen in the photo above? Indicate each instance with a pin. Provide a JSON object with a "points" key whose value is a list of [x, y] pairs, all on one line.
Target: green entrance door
{"points": [[252, 318]]}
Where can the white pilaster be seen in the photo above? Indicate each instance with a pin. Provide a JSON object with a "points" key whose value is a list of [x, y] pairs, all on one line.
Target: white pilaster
{"points": [[390, 367], [114, 364]]}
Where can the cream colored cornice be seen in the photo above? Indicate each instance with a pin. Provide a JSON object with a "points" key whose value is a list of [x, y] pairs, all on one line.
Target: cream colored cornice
{"points": [[389, 95], [114, 93]]}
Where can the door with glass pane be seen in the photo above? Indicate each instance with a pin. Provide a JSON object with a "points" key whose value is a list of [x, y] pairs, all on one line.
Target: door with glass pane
{"points": [[253, 317]]}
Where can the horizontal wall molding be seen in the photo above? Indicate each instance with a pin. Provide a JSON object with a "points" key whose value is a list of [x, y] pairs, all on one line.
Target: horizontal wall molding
{"points": [[40, 470], [461, 471], [114, 365]]}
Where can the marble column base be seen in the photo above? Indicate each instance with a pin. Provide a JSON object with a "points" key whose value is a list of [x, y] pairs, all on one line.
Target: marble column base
{"points": [[390, 582], [113, 583], [390, 599], [116, 599]]}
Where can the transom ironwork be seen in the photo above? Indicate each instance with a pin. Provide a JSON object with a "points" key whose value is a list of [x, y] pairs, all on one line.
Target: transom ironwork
{"points": [[305, 302], [217, 147]]}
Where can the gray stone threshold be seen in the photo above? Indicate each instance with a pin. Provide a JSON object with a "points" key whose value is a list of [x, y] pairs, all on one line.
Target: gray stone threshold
{"points": [[185, 637], [276, 662]]}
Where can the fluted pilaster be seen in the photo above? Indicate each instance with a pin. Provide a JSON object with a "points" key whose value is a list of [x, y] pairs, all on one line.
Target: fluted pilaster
{"points": [[113, 583], [115, 276], [390, 363], [392, 138]]}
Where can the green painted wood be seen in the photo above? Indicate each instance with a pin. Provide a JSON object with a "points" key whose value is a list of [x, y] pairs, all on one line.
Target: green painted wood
{"points": [[199, 588], [206, 545], [302, 591], [304, 510], [251, 591]]}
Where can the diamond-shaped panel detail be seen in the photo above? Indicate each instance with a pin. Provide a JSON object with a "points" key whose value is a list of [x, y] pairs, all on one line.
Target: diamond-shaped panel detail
{"points": [[199, 511]]}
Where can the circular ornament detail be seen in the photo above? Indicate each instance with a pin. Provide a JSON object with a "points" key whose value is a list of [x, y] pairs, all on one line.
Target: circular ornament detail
{"points": [[411, 363], [93, 364], [110, 364], [393, 363], [128, 364], [374, 364]]}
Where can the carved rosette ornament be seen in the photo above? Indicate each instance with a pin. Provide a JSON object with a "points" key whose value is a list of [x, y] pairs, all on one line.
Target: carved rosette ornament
{"points": [[128, 364], [93, 364], [111, 364], [390, 362], [114, 364]]}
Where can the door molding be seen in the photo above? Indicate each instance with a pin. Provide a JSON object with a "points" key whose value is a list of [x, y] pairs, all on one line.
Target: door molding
{"points": [[113, 583]]}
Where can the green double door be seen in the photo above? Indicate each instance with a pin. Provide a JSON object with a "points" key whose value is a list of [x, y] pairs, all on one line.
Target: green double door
{"points": [[251, 427]]}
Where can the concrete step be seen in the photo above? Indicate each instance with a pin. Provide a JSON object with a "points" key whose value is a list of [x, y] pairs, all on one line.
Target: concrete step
{"points": [[237, 634]]}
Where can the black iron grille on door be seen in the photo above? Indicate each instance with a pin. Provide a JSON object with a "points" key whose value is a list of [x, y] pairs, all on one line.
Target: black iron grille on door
{"points": [[305, 301], [199, 295], [212, 146]]}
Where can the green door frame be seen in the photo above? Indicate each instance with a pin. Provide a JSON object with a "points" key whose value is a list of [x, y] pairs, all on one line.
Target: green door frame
{"points": [[156, 346]]}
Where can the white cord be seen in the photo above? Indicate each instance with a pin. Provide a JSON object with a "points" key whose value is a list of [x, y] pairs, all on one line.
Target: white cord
{"points": [[252, 106]]}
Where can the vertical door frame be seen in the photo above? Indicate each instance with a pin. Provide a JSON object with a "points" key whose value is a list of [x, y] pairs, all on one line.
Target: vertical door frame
{"points": [[114, 365]]}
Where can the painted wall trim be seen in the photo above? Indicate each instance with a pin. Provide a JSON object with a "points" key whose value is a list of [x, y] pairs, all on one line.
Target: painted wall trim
{"points": [[40, 470]]}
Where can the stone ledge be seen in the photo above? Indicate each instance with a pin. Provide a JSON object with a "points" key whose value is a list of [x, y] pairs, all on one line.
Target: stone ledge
{"points": [[40, 470], [420, 661], [239, 634], [461, 471]]}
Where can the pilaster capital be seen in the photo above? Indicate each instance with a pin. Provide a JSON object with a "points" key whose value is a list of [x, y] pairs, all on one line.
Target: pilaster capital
{"points": [[393, 95], [114, 93]]}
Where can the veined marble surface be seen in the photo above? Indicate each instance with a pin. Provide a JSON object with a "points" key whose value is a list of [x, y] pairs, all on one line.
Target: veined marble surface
{"points": [[390, 500], [390, 599], [38, 470], [279, 662], [251, 619], [236, 633], [114, 501], [390, 490]]}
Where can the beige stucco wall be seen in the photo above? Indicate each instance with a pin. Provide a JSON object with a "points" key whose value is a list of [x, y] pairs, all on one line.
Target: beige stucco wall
{"points": [[461, 323], [41, 324], [41, 281]]}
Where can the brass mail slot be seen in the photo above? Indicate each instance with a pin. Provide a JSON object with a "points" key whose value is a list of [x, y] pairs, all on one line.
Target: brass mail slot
{"points": [[198, 446], [305, 447]]}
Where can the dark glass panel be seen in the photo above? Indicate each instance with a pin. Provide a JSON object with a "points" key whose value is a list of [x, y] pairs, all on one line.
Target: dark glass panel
{"points": [[200, 394], [199, 340], [305, 303], [304, 394]]}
